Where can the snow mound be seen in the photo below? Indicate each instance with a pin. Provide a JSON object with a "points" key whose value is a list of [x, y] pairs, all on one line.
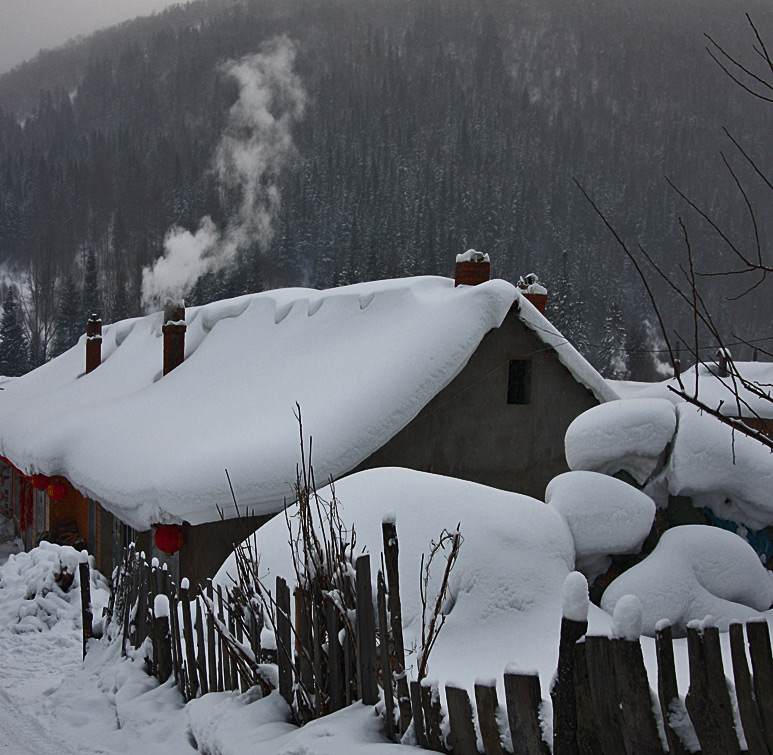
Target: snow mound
{"points": [[32, 598], [629, 435], [508, 580], [606, 516], [695, 571], [729, 472]]}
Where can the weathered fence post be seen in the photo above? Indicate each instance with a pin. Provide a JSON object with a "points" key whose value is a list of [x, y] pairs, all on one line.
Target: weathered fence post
{"points": [[668, 690], [762, 664], [430, 703], [283, 643], [162, 638], [86, 613], [486, 703], [190, 654], [462, 729], [524, 696], [588, 736], [417, 710], [574, 625], [708, 699], [202, 650], [391, 554], [366, 633], [747, 707], [386, 667], [606, 700], [640, 729], [211, 649], [334, 658]]}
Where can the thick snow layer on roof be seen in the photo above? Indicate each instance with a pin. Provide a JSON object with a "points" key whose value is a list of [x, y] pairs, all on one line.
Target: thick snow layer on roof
{"points": [[713, 391], [727, 471], [360, 360], [580, 368], [695, 571], [606, 516], [628, 435], [507, 583]]}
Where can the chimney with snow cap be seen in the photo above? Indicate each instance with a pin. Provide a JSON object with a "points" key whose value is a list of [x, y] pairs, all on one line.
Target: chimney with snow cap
{"points": [[93, 343], [472, 268], [534, 291], [174, 334]]}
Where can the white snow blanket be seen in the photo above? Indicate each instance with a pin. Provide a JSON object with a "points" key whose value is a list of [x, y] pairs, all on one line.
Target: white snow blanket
{"points": [[606, 516], [506, 587], [693, 572], [727, 471], [621, 435], [360, 360]]}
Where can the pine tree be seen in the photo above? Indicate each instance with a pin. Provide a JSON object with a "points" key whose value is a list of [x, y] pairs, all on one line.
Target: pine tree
{"points": [[69, 316], [14, 350]]}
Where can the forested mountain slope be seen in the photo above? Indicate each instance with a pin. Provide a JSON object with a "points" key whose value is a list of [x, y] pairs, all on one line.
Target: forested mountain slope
{"points": [[422, 128]]}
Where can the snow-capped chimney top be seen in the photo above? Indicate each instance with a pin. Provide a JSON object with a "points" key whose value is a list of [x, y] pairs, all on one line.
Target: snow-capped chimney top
{"points": [[534, 291], [93, 343], [724, 358], [472, 268], [174, 334]]}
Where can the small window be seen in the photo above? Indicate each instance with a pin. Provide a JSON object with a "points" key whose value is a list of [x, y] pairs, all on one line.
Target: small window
{"points": [[519, 381]]}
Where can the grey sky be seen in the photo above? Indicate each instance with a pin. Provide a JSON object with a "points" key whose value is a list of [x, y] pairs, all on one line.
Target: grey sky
{"points": [[26, 26]]}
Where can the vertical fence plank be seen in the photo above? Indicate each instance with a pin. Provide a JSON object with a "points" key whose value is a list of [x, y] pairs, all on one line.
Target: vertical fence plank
{"points": [[640, 728], [486, 703], [162, 637], [762, 665], [86, 613], [211, 649], [303, 639], [366, 632], [708, 701], [177, 647], [563, 692], [190, 655], [462, 730], [201, 650], [430, 703], [386, 666], [334, 659], [223, 670], [668, 690], [234, 680], [747, 707], [283, 642], [606, 701], [417, 711], [588, 736], [391, 558], [523, 697]]}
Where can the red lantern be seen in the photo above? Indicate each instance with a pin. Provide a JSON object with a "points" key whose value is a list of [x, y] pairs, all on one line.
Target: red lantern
{"points": [[40, 481], [57, 490], [169, 538]]}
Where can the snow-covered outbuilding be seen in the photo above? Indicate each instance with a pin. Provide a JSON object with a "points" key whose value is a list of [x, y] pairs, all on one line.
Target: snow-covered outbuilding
{"points": [[470, 381]]}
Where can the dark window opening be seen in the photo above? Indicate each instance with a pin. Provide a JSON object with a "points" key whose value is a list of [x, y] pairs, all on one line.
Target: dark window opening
{"points": [[519, 381]]}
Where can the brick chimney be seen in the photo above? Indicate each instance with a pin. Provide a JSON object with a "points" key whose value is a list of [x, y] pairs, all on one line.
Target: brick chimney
{"points": [[93, 343], [534, 291], [174, 334], [472, 268]]}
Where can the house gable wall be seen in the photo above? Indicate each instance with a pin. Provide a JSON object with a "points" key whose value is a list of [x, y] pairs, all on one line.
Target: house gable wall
{"points": [[469, 430]]}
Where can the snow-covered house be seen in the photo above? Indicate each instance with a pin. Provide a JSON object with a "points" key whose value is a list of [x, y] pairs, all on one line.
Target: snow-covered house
{"points": [[470, 381]]}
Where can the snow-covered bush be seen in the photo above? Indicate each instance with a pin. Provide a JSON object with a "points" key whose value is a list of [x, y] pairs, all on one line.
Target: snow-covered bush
{"points": [[693, 572], [32, 598], [606, 517]]}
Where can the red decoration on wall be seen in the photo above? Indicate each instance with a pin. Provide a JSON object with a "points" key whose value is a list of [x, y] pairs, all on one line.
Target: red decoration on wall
{"points": [[57, 490], [40, 481], [169, 538]]}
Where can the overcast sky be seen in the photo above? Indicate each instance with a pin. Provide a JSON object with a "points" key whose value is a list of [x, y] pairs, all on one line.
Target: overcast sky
{"points": [[27, 26]]}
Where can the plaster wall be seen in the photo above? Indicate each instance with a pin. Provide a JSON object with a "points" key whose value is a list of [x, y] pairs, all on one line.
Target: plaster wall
{"points": [[469, 430]]}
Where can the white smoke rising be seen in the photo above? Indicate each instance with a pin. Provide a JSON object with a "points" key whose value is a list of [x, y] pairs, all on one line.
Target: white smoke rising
{"points": [[256, 144]]}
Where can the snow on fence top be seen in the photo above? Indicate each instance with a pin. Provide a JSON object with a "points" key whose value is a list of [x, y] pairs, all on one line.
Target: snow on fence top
{"points": [[360, 360]]}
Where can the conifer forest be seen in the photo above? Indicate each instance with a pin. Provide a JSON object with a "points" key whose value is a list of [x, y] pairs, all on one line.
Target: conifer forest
{"points": [[412, 130]]}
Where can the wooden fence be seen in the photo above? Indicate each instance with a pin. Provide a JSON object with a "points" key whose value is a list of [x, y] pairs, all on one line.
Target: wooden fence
{"points": [[331, 650]]}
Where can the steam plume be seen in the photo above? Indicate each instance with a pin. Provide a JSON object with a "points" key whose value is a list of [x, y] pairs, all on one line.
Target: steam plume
{"points": [[256, 144]]}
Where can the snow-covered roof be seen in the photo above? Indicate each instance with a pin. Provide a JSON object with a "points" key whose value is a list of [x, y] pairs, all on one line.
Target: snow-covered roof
{"points": [[361, 361], [580, 368], [714, 391]]}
